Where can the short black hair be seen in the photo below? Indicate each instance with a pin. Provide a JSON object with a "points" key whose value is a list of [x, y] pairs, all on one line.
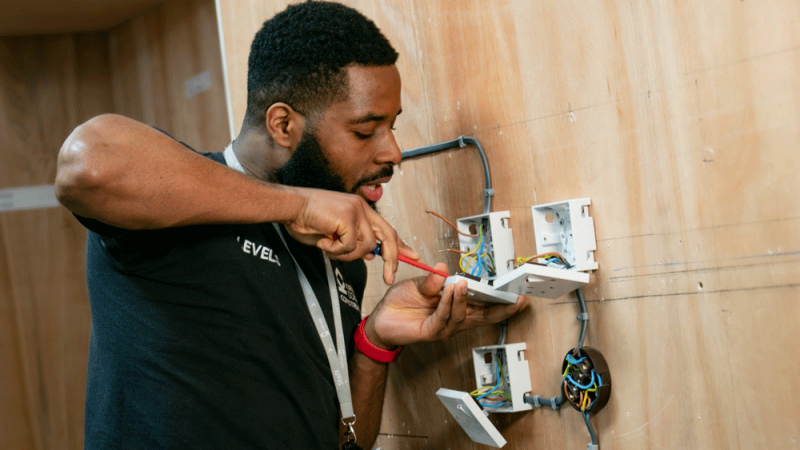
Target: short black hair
{"points": [[300, 56]]}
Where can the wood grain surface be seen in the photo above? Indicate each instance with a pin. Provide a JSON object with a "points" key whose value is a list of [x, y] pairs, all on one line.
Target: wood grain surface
{"points": [[152, 57], [48, 86], [681, 121]]}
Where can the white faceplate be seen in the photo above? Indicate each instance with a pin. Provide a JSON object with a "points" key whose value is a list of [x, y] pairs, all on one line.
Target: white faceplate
{"points": [[541, 281], [469, 415], [481, 291]]}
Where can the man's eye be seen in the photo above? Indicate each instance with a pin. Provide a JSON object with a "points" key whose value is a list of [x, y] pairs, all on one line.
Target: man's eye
{"points": [[363, 135]]}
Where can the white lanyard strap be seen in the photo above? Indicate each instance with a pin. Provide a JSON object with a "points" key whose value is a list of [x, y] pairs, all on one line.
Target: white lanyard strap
{"points": [[337, 360]]}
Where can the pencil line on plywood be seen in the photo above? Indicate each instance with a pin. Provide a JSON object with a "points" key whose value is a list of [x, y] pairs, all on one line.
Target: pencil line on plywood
{"points": [[765, 255], [648, 422], [571, 110], [678, 294], [751, 58], [712, 227], [707, 269]]}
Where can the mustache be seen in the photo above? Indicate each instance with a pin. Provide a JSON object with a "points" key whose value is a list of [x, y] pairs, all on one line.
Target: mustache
{"points": [[387, 171]]}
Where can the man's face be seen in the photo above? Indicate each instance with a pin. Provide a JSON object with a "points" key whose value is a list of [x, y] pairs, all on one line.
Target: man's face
{"points": [[352, 148]]}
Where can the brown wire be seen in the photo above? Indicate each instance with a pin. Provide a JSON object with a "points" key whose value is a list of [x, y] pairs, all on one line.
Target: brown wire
{"points": [[451, 224], [454, 250], [528, 260]]}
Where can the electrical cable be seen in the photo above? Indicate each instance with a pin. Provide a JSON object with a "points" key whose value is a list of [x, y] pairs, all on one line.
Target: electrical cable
{"points": [[503, 332], [499, 378], [451, 224], [461, 142], [461, 260], [584, 317], [522, 260], [590, 428]]}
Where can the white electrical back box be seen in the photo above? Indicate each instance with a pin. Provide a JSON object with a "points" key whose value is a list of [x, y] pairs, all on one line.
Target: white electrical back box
{"points": [[564, 228], [515, 373], [499, 240]]}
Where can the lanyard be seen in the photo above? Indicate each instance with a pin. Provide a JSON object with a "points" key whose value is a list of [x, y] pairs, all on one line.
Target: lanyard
{"points": [[337, 360]]}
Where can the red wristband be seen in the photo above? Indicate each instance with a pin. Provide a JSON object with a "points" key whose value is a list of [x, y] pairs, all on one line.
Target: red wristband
{"points": [[378, 354]]}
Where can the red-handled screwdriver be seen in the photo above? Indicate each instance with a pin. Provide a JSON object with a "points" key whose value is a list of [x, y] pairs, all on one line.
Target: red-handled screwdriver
{"points": [[408, 260]]}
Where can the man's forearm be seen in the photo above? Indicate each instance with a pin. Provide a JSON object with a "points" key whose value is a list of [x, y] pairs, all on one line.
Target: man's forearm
{"points": [[368, 386], [130, 175]]}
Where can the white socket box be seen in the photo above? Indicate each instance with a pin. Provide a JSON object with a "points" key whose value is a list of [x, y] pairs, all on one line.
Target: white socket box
{"points": [[499, 239]]}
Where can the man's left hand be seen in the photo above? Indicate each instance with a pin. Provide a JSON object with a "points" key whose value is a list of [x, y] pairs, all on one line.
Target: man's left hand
{"points": [[414, 311]]}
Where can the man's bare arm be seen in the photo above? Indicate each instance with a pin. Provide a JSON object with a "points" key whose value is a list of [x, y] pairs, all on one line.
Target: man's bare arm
{"points": [[129, 175]]}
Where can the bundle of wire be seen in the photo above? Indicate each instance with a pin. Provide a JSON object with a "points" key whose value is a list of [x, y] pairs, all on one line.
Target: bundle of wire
{"points": [[549, 258], [479, 261], [493, 393], [585, 402]]}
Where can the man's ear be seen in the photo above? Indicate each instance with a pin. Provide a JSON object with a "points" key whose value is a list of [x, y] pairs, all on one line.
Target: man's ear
{"points": [[285, 125]]}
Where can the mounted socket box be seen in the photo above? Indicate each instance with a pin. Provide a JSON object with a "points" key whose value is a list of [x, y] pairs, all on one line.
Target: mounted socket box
{"points": [[499, 239], [515, 373], [566, 228], [541, 281]]}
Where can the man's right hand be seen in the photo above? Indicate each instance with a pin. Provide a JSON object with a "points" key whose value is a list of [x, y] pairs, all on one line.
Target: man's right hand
{"points": [[345, 227]]}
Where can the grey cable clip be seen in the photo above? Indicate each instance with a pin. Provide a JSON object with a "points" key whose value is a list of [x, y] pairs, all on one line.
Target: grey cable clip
{"points": [[591, 446], [536, 403], [461, 142], [554, 404], [488, 192], [583, 316]]}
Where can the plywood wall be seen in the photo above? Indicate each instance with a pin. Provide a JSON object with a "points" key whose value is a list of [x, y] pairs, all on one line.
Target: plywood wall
{"points": [[152, 58], [49, 85], [681, 121]]}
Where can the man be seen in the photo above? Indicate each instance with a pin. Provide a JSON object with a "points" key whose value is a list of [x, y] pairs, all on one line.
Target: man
{"points": [[201, 337]]}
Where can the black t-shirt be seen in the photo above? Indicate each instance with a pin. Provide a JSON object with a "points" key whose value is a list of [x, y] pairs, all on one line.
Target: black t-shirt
{"points": [[201, 339]]}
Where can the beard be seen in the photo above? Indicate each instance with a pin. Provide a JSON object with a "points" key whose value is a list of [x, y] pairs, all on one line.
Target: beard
{"points": [[310, 168]]}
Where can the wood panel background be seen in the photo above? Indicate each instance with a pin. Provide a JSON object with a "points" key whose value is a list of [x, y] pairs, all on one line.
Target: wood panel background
{"points": [[48, 86], [153, 55], [681, 121]]}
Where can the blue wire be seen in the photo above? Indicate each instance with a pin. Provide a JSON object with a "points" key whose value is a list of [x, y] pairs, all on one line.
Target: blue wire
{"points": [[573, 361], [494, 406], [499, 381], [479, 266], [480, 253], [599, 380], [591, 382]]}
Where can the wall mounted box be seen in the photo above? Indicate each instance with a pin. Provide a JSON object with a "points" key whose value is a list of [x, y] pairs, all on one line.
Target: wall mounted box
{"points": [[566, 228], [499, 238], [516, 373]]}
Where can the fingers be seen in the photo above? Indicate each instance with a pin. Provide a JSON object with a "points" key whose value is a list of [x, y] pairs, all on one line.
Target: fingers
{"points": [[432, 284], [390, 244], [346, 228], [450, 312]]}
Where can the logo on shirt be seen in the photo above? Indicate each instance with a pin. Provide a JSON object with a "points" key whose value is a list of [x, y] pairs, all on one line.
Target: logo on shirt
{"points": [[258, 250], [346, 293]]}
